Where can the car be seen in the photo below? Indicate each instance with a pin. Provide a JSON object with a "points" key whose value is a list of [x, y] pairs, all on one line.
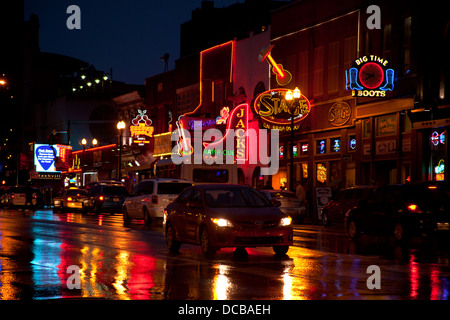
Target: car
{"points": [[334, 211], [71, 198], [150, 197], [289, 203], [402, 211], [216, 216], [105, 197], [16, 197]]}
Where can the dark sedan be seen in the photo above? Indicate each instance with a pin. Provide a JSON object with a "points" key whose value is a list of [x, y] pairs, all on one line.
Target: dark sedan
{"points": [[226, 215], [402, 211]]}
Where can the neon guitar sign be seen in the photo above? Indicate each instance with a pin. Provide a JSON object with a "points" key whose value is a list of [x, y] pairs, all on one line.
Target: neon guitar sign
{"points": [[283, 77]]}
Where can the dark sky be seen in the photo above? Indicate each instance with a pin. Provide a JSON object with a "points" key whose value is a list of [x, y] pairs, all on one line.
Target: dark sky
{"points": [[129, 36]]}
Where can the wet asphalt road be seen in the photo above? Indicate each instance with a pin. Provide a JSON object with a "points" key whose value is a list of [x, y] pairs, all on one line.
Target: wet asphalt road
{"points": [[132, 262]]}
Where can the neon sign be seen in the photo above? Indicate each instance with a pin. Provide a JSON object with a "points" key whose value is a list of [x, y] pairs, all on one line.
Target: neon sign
{"points": [[283, 77], [141, 128], [238, 124], [440, 170], [275, 111], [437, 138], [369, 77]]}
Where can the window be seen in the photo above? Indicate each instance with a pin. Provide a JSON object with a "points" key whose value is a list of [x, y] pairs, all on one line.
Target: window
{"points": [[335, 144], [303, 71], [235, 197], [184, 196], [349, 52], [145, 187], [333, 67], [352, 143], [210, 175], [172, 187], [318, 71], [304, 148], [321, 146], [387, 38]]}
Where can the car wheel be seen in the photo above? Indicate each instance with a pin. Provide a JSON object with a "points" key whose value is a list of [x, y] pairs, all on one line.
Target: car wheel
{"points": [[280, 250], [172, 244], [353, 230], [205, 243], [399, 232], [126, 216], [147, 217]]}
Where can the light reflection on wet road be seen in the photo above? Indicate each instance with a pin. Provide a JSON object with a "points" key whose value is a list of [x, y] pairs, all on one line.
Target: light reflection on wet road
{"points": [[132, 262]]}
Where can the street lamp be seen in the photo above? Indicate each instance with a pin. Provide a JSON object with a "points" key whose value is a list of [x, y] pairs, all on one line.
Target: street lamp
{"points": [[94, 142], [83, 143], [120, 127], [292, 98]]}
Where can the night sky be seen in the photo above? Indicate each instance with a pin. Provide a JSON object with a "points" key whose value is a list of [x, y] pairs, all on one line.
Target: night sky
{"points": [[128, 36]]}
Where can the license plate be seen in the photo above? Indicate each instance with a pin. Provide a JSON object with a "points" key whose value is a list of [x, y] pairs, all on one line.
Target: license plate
{"points": [[116, 199], [443, 226]]}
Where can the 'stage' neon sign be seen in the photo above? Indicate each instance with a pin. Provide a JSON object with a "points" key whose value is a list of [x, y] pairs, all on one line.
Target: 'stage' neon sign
{"points": [[276, 112]]}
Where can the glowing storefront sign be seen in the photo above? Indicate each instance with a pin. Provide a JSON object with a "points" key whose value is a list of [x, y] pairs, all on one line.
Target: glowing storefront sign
{"points": [[283, 77], [437, 138], [275, 111], [237, 124], [141, 129], [45, 156], [369, 77], [440, 170]]}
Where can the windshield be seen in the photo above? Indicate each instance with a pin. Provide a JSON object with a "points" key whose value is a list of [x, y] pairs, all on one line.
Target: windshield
{"points": [[115, 190], [172, 187], [235, 197], [76, 192]]}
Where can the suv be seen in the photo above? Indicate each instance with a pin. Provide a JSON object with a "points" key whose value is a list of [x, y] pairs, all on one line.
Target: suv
{"points": [[334, 211], [402, 211], [16, 197], [150, 197], [105, 197]]}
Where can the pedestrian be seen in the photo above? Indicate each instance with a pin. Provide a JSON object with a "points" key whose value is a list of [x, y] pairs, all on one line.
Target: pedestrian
{"points": [[300, 191], [268, 186], [29, 196]]}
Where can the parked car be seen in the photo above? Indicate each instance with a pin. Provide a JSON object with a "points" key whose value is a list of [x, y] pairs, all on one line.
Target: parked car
{"points": [[150, 197], [16, 197], [402, 211], [289, 203], [69, 199], [105, 197], [334, 211], [226, 215]]}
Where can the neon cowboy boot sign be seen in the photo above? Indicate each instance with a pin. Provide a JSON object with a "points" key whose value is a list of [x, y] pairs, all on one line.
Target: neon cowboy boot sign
{"points": [[369, 77]]}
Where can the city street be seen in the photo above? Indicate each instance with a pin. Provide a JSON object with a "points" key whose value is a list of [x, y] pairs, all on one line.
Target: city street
{"points": [[132, 262]]}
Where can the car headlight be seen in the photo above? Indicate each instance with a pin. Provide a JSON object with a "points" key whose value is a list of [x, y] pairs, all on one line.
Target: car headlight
{"points": [[222, 222], [284, 222]]}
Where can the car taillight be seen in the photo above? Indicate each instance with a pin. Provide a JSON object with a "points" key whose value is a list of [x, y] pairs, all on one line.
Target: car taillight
{"points": [[101, 198], [155, 199], [69, 199], [12, 196]]}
